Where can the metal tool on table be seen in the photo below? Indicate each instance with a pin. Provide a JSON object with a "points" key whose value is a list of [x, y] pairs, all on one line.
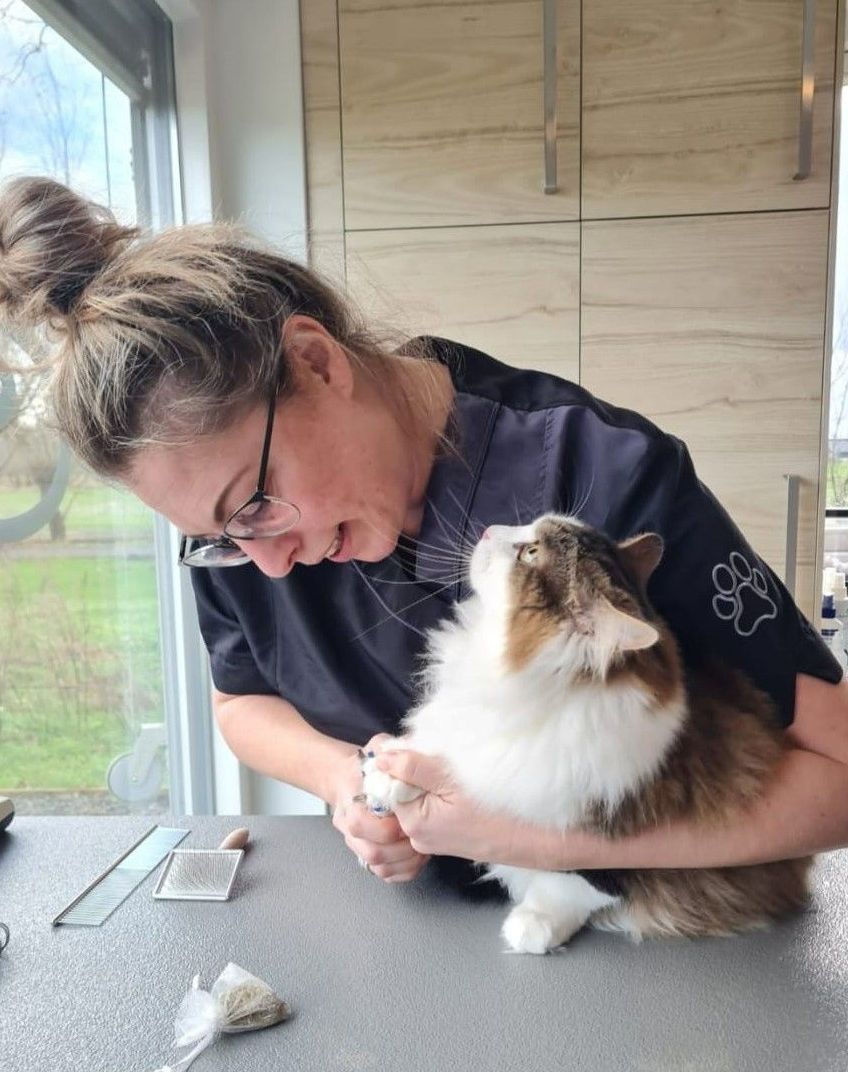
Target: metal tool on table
{"points": [[7, 812], [101, 897], [202, 874]]}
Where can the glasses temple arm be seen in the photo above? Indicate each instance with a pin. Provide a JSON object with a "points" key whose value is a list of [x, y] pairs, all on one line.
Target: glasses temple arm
{"points": [[266, 446]]}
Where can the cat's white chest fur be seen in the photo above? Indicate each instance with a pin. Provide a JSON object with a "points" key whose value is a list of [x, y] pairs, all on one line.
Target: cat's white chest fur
{"points": [[545, 758], [540, 701], [534, 744], [539, 738]]}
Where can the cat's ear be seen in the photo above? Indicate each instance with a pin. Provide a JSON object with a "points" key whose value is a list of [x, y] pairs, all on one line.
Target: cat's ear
{"points": [[621, 631], [640, 556]]}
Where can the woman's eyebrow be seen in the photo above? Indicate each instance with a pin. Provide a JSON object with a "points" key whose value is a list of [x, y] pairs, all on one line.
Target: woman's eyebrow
{"points": [[219, 515]]}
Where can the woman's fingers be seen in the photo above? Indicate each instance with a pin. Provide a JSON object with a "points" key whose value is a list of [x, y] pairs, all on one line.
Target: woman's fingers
{"points": [[398, 861], [378, 842], [361, 823], [400, 873]]}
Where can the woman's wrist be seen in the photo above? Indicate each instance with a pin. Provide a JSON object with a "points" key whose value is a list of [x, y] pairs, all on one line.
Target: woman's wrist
{"points": [[340, 776]]}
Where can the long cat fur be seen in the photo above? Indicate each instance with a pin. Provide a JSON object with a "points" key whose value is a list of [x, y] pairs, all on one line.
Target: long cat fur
{"points": [[556, 695]]}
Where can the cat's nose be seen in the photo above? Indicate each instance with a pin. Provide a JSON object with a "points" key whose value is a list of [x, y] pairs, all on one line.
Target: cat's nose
{"points": [[487, 535]]}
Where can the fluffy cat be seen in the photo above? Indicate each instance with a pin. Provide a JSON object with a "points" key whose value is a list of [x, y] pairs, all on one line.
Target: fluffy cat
{"points": [[557, 695]]}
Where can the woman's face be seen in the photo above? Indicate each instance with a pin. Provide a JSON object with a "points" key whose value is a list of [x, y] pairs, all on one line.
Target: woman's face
{"points": [[337, 452]]}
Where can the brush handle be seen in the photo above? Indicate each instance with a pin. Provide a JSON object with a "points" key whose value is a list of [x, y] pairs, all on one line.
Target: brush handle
{"points": [[236, 839]]}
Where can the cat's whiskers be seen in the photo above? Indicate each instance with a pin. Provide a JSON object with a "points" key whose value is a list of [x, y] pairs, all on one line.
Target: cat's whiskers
{"points": [[437, 551], [575, 511], [455, 533], [396, 615], [451, 574], [467, 518], [442, 579], [449, 557]]}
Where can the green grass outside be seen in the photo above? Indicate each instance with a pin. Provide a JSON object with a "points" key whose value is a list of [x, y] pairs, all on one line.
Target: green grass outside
{"points": [[79, 645], [837, 482], [91, 512], [59, 760], [79, 667]]}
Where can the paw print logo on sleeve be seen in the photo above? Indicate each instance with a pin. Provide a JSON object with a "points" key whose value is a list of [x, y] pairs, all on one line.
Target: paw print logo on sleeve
{"points": [[742, 595]]}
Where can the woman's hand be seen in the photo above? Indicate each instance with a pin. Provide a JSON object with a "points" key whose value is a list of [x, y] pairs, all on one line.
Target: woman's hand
{"points": [[443, 820], [380, 843]]}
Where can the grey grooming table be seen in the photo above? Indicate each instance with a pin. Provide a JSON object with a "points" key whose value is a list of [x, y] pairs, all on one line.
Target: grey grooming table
{"points": [[384, 977]]}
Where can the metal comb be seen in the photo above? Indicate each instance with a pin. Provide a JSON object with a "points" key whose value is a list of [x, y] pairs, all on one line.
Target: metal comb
{"points": [[100, 899]]}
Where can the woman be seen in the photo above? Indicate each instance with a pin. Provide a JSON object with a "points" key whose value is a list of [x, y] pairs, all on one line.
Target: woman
{"points": [[233, 391]]}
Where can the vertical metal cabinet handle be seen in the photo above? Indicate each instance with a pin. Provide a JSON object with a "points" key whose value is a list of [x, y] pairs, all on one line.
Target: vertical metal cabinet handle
{"points": [[792, 518], [549, 34], [808, 91]]}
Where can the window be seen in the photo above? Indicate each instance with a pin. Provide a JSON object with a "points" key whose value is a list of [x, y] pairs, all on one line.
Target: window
{"points": [[86, 96], [836, 520]]}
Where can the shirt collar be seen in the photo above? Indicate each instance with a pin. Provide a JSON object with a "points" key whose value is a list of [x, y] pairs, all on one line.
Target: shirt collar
{"points": [[438, 554]]}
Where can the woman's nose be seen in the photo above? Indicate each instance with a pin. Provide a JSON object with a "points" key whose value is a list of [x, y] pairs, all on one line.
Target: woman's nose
{"points": [[272, 555]]}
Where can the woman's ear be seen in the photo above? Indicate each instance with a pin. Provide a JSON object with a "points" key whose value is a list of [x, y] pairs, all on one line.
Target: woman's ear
{"points": [[314, 356]]}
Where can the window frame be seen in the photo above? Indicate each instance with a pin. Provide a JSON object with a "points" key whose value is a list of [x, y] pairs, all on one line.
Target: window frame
{"points": [[131, 43]]}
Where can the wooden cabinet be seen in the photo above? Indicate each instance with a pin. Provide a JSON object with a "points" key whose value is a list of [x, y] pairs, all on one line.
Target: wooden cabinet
{"points": [[692, 106], [320, 53], [714, 328], [442, 112], [687, 279], [513, 291]]}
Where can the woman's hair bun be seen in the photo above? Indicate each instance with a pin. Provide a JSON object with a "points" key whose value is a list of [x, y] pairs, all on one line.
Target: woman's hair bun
{"points": [[53, 243]]}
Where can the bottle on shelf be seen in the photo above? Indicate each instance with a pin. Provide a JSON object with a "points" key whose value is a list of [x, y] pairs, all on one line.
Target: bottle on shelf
{"points": [[840, 598], [831, 627]]}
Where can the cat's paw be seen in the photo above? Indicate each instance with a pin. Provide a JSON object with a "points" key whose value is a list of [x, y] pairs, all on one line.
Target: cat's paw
{"points": [[382, 792], [529, 931]]}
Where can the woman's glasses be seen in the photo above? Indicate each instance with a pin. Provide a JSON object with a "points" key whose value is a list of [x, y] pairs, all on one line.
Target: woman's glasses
{"points": [[261, 516]]}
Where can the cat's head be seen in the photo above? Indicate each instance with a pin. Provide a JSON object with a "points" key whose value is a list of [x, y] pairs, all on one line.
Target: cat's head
{"points": [[566, 594]]}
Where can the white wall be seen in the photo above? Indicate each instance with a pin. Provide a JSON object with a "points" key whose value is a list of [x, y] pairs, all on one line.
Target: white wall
{"points": [[240, 128]]}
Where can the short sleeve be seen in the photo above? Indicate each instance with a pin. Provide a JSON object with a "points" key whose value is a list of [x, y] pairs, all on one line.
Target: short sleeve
{"points": [[235, 669], [721, 599]]}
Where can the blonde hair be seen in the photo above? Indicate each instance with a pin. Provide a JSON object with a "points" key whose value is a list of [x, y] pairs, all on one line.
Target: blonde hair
{"points": [[165, 337]]}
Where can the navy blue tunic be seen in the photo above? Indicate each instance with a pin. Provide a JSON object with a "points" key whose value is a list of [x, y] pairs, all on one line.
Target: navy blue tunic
{"points": [[341, 643]]}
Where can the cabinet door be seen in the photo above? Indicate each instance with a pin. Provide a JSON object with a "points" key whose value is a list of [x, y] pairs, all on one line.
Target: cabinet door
{"points": [[693, 106], [510, 291], [714, 328], [319, 52], [443, 111]]}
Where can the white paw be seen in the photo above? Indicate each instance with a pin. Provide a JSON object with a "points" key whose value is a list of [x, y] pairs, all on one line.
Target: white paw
{"points": [[377, 787], [527, 931], [383, 792]]}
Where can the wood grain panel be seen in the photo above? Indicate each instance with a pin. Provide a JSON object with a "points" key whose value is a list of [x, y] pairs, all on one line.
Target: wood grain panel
{"points": [[692, 106], [322, 128], [511, 291], [714, 328], [442, 112]]}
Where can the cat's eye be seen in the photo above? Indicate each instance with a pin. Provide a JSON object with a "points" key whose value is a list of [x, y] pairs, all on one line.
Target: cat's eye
{"points": [[527, 552]]}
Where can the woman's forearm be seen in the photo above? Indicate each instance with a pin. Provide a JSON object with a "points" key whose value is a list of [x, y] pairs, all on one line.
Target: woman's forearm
{"points": [[805, 811], [269, 735]]}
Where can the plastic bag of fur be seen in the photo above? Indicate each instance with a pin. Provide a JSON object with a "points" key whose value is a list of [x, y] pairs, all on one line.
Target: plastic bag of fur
{"points": [[238, 1001]]}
